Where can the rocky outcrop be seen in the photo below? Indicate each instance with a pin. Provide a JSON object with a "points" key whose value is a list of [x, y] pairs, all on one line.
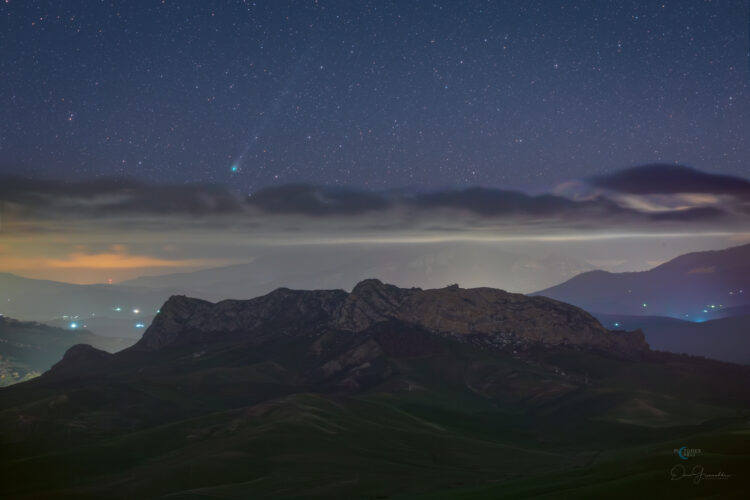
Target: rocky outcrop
{"points": [[450, 310], [480, 311], [183, 320]]}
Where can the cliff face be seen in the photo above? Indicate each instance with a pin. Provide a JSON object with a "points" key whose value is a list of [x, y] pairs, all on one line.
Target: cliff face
{"points": [[450, 310], [183, 319]]}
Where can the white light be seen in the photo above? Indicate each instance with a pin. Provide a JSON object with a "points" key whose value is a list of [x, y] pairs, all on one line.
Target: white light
{"points": [[73, 325], [139, 325], [136, 311]]}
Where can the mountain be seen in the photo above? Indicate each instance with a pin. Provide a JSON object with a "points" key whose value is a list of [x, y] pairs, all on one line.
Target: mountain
{"points": [[450, 310], [108, 310], [383, 392], [27, 349], [424, 265], [692, 286], [726, 339]]}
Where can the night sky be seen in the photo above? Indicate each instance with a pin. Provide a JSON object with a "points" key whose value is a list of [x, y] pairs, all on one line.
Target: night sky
{"points": [[371, 94]]}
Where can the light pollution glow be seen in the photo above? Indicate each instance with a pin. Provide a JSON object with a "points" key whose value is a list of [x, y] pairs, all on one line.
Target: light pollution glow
{"points": [[74, 259]]}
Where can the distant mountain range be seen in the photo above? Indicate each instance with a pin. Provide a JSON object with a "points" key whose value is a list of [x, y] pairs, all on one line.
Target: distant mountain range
{"points": [[383, 392], [27, 349], [695, 286]]}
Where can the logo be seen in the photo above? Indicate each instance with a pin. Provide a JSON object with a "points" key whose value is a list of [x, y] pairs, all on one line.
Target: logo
{"points": [[684, 452]]}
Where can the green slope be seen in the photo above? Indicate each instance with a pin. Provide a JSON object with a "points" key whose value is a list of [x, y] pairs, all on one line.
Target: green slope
{"points": [[460, 423]]}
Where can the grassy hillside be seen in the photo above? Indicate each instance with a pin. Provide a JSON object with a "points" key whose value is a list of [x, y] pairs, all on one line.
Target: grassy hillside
{"points": [[461, 422]]}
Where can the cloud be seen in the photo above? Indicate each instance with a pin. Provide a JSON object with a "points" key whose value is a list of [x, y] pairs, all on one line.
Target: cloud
{"points": [[92, 230], [669, 194], [316, 200], [689, 214], [460, 209], [310, 200], [34, 206], [671, 179], [106, 197], [496, 202]]}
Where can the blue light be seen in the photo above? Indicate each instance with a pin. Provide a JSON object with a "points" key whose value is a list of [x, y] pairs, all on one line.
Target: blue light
{"points": [[73, 325], [617, 324], [235, 169], [139, 325]]}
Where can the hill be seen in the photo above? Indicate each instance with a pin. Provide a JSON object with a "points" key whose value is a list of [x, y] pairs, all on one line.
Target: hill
{"points": [[692, 286], [383, 392]]}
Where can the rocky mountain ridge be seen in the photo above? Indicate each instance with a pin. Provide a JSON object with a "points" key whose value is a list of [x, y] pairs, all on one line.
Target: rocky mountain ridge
{"points": [[450, 310]]}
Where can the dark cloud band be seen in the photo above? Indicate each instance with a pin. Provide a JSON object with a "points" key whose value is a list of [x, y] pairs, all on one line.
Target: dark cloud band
{"points": [[116, 196], [455, 209], [672, 179]]}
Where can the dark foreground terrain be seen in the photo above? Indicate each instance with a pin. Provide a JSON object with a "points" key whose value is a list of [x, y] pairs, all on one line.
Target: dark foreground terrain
{"points": [[381, 393]]}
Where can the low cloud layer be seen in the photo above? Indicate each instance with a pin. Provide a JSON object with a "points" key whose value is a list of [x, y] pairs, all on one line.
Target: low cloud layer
{"points": [[109, 197], [672, 179], [93, 230], [637, 198], [316, 201], [474, 206]]}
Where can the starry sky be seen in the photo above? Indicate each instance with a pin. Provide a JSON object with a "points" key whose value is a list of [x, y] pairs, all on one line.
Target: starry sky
{"points": [[374, 94]]}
